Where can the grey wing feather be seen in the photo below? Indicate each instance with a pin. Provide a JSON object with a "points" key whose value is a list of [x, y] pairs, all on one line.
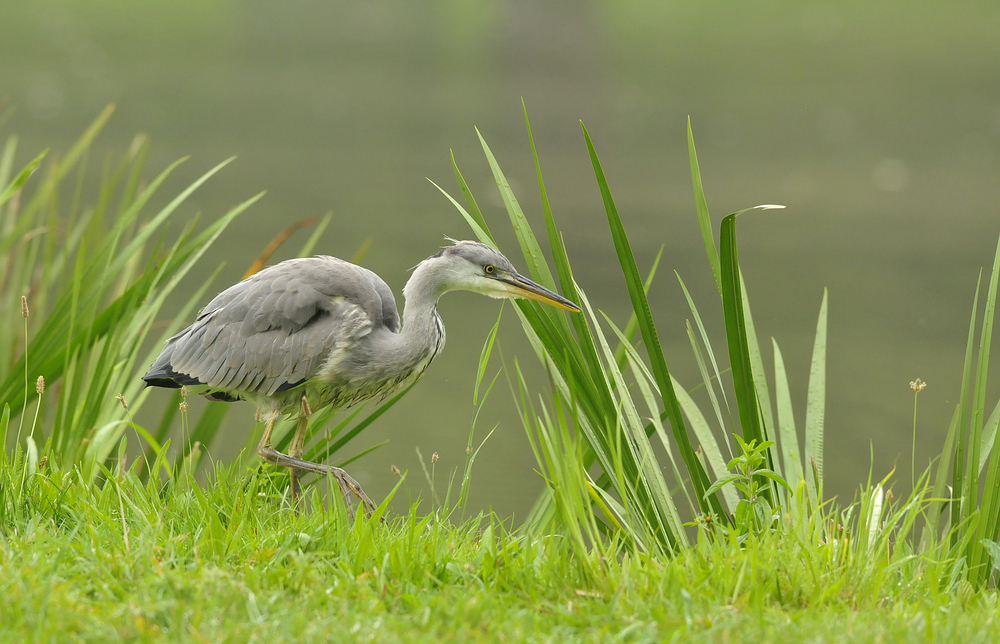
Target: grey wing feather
{"points": [[390, 317], [275, 329]]}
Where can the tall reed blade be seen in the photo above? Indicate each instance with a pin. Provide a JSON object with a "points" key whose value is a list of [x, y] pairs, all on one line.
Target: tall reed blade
{"points": [[736, 333], [961, 462], [585, 346], [788, 439], [991, 492], [640, 305], [816, 408], [760, 382], [934, 510], [525, 236], [701, 205]]}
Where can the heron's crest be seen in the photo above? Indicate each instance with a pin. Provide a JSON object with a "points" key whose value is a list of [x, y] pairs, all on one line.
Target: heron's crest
{"points": [[476, 253]]}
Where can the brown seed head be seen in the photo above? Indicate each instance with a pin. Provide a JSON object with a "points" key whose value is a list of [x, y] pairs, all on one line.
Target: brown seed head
{"points": [[24, 306], [434, 457], [917, 385], [395, 470], [184, 391], [40, 385], [121, 399]]}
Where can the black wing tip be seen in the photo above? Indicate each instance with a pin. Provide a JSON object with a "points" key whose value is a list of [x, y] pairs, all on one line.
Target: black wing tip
{"points": [[169, 379], [285, 386], [167, 383]]}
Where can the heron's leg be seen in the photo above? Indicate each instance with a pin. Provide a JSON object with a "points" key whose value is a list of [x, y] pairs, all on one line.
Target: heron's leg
{"points": [[265, 441], [345, 481], [297, 446]]}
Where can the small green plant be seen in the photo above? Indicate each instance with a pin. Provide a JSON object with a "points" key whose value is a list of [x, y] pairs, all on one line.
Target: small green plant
{"points": [[754, 512]]}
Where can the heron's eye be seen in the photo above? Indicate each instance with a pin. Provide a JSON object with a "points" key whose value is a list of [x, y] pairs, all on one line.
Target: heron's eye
{"points": [[489, 269]]}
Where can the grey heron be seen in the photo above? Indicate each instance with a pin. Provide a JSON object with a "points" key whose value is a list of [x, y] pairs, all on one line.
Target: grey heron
{"points": [[311, 332]]}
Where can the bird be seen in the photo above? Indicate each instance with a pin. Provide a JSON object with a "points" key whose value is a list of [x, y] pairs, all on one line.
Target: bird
{"points": [[314, 332]]}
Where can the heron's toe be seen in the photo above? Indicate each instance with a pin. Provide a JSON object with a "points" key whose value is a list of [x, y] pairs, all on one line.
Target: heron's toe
{"points": [[268, 454]]}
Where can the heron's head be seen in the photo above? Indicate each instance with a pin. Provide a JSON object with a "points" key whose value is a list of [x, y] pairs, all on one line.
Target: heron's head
{"points": [[471, 266]]}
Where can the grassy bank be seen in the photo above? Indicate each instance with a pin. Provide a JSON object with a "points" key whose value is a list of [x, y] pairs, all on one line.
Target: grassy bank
{"points": [[230, 562], [665, 516]]}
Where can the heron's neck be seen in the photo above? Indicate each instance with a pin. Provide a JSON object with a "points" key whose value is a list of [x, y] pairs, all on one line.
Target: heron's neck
{"points": [[423, 329]]}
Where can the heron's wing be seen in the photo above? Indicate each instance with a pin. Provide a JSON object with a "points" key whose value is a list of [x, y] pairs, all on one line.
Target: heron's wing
{"points": [[275, 329], [390, 317]]}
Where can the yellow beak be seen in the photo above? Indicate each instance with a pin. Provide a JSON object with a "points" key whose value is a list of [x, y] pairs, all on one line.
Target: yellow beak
{"points": [[520, 286]]}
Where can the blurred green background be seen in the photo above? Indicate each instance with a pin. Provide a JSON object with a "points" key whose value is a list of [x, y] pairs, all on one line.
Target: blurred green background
{"points": [[876, 123]]}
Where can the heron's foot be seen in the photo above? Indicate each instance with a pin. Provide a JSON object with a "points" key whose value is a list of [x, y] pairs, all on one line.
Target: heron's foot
{"points": [[348, 486]]}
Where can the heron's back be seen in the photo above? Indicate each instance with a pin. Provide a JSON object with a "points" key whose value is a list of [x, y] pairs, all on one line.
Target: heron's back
{"points": [[273, 331]]}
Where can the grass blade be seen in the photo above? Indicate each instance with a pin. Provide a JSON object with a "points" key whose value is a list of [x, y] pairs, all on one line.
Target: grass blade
{"points": [[484, 356], [526, 238], [736, 333], [816, 407], [930, 535], [962, 463], [989, 436], [709, 445], [482, 234], [759, 378], [791, 460], [632, 326], [585, 344], [21, 178], [706, 380], [474, 213], [640, 305], [991, 493], [701, 205]]}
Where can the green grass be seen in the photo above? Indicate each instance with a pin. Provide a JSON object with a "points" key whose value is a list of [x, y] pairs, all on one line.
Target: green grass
{"points": [[654, 525], [230, 562]]}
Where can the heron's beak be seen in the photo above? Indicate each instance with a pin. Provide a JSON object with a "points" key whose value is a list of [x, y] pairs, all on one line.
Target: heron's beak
{"points": [[520, 286]]}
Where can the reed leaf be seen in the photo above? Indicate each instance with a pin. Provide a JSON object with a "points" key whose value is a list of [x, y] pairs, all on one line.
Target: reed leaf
{"points": [[21, 178], [640, 305], [816, 407], [788, 438], [701, 206], [991, 491], [962, 463]]}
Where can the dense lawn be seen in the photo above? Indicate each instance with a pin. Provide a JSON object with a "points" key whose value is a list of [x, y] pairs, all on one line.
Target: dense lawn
{"points": [[231, 561]]}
